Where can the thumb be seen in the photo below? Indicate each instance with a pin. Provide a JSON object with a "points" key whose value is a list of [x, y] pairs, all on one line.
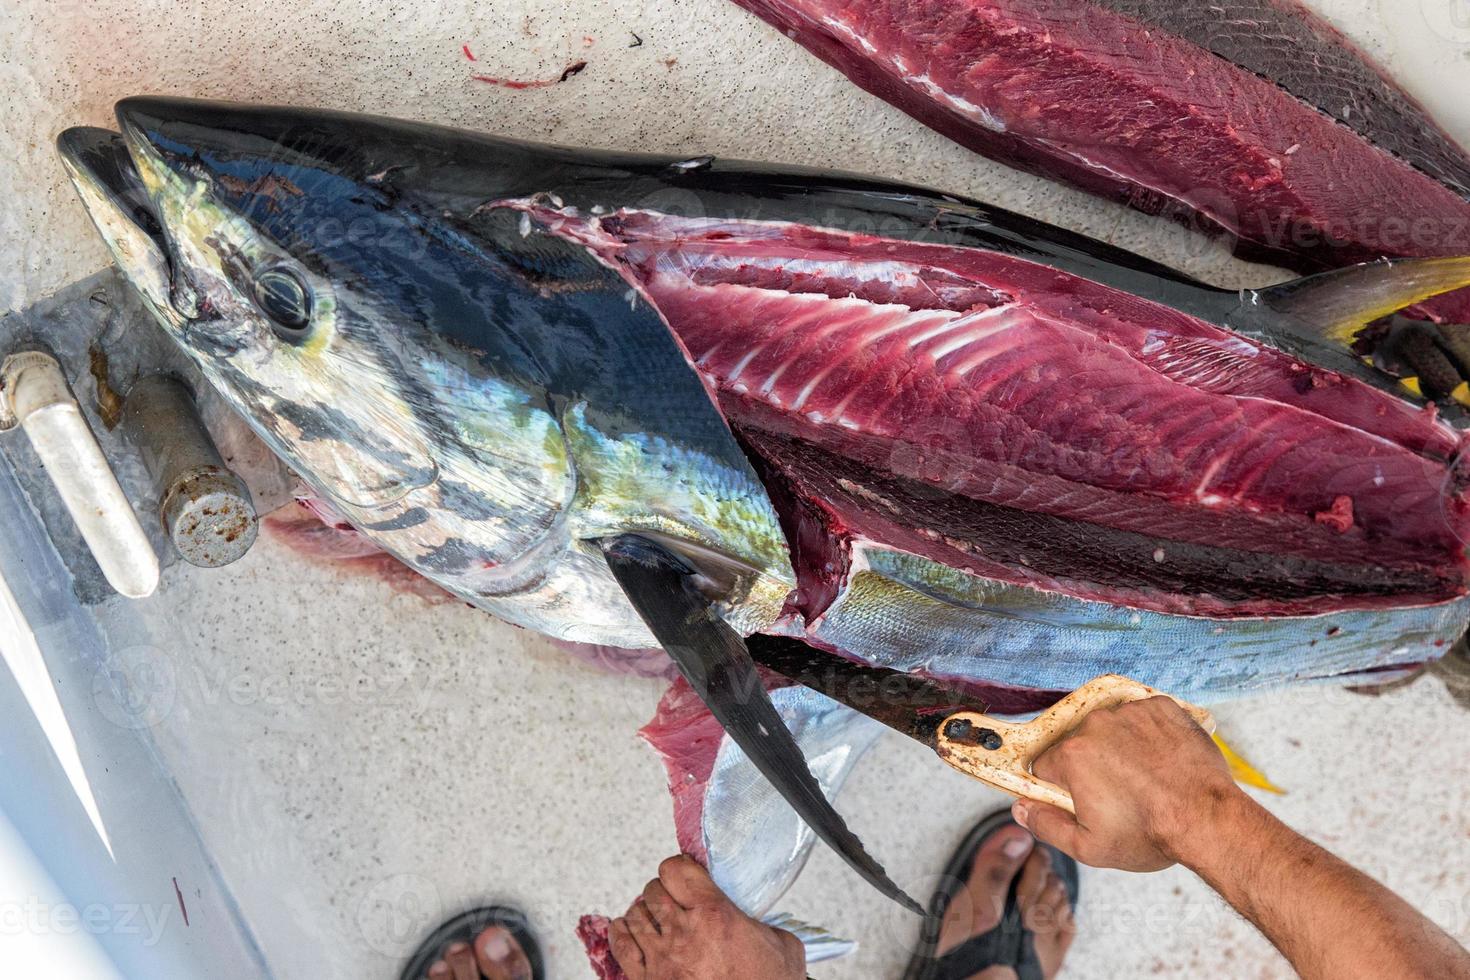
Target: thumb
{"points": [[1049, 824]]}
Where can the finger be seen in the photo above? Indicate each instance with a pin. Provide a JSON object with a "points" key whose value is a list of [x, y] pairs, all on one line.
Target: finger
{"points": [[688, 883], [1050, 825], [1051, 765], [625, 950], [439, 971], [661, 904]]}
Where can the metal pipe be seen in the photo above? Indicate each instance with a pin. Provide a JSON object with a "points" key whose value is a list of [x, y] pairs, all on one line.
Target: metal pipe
{"points": [[34, 394], [205, 508]]}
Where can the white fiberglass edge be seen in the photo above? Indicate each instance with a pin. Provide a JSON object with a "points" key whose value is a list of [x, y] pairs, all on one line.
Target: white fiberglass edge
{"points": [[158, 907], [41, 933], [21, 654]]}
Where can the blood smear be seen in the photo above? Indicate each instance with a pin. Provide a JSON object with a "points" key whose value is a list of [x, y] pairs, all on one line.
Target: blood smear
{"points": [[515, 83]]}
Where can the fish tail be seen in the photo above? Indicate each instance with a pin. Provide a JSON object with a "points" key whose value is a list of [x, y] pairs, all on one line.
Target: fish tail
{"points": [[1336, 305]]}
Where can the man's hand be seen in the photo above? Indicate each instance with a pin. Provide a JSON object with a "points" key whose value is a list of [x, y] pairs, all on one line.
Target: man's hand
{"points": [[1142, 776], [1151, 790], [684, 928]]}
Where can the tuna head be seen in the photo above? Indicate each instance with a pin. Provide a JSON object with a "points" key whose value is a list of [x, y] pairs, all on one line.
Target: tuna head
{"points": [[483, 400], [261, 282]]}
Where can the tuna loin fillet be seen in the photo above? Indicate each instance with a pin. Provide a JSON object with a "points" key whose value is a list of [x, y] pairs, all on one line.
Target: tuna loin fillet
{"points": [[1252, 116], [1036, 428]]}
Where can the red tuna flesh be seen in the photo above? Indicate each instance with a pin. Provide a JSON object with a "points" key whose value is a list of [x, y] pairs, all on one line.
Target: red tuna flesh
{"points": [[1253, 116], [592, 930], [1033, 427]]}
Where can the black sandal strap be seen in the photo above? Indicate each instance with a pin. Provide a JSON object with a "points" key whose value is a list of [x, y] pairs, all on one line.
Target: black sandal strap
{"points": [[465, 927], [1009, 943]]}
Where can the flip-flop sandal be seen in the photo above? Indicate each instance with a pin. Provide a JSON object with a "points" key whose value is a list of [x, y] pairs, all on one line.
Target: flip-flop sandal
{"points": [[1009, 943], [464, 928]]}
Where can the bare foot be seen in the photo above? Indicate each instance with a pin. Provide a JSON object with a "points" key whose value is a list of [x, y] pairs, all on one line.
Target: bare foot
{"points": [[1041, 895], [684, 928], [495, 956]]}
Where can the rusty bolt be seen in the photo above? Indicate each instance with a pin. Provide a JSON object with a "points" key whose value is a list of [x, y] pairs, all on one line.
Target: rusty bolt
{"points": [[205, 508]]}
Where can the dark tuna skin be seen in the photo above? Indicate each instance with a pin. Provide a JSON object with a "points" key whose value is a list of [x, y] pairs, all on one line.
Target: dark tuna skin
{"points": [[345, 175], [1291, 46], [1253, 118], [1088, 478]]}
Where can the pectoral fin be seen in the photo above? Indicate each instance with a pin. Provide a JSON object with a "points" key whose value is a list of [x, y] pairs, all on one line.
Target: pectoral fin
{"points": [[713, 659]]}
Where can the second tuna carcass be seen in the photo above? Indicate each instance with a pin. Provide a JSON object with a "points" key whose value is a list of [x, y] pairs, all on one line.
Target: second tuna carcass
{"points": [[1256, 119]]}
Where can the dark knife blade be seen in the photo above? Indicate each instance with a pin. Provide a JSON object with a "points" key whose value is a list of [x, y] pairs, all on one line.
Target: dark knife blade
{"points": [[911, 705], [713, 659]]}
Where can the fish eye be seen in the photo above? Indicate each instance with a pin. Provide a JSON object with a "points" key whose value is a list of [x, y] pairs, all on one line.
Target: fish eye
{"points": [[286, 300]]}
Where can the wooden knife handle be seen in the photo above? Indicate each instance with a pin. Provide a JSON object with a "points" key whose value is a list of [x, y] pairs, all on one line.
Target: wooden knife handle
{"points": [[1001, 753]]}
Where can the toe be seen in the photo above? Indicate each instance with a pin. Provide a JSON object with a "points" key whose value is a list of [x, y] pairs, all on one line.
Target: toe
{"points": [[1035, 875], [643, 926], [461, 962], [1040, 916], [977, 908], [499, 956], [996, 863], [1052, 925], [688, 883], [661, 905], [626, 951]]}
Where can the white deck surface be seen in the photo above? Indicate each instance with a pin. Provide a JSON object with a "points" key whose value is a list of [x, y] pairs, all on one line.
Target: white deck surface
{"points": [[361, 762]]}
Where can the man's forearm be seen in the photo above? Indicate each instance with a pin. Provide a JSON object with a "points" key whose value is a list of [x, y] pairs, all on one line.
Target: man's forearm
{"points": [[1327, 918]]}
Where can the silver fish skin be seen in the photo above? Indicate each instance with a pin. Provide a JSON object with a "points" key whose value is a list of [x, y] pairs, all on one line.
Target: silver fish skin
{"points": [[408, 316], [434, 329], [448, 385]]}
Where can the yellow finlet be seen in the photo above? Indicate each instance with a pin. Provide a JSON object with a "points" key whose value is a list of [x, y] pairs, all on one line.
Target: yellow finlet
{"points": [[1242, 771], [1461, 394]]}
